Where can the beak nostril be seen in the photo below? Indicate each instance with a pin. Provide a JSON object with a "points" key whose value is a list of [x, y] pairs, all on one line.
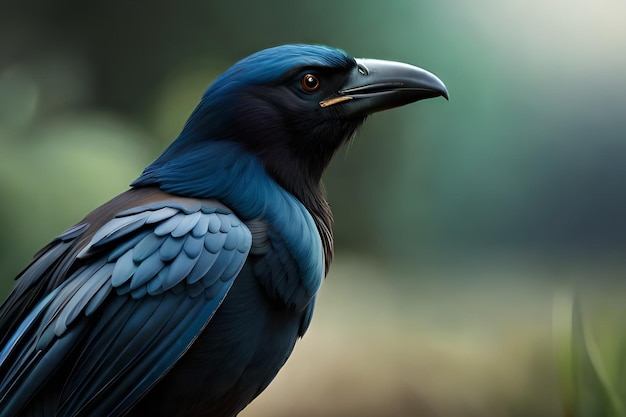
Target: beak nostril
{"points": [[363, 70]]}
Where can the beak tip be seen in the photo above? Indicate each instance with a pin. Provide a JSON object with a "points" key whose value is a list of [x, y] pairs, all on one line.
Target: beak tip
{"points": [[442, 89]]}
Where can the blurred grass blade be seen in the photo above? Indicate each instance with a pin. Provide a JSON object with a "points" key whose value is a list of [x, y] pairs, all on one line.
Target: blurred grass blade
{"points": [[599, 367], [588, 389], [562, 315]]}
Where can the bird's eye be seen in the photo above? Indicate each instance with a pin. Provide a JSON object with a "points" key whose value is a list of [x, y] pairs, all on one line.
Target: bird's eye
{"points": [[310, 83]]}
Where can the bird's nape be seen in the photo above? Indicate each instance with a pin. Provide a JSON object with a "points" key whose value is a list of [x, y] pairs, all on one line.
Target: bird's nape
{"points": [[185, 295]]}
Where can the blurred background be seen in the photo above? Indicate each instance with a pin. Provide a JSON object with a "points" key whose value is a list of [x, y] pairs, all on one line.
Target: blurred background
{"points": [[480, 242]]}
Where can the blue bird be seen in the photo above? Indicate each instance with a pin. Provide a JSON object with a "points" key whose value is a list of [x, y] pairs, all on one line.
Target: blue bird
{"points": [[185, 295]]}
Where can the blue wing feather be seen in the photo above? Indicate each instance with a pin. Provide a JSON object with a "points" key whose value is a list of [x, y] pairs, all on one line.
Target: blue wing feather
{"points": [[193, 246], [155, 283], [202, 266], [124, 247], [146, 270], [160, 214], [201, 227], [119, 227], [147, 247], [186, 224], [124, 269], [169, 225]]}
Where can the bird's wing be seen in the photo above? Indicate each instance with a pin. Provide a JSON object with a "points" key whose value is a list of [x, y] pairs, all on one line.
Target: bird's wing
{"points": [[148, 282]]}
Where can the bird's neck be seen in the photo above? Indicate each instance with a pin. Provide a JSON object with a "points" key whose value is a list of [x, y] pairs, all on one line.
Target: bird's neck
{"points": [[323, 218], [238, 178]]}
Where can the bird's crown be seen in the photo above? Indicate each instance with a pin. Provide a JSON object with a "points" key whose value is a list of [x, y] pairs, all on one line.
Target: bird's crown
{"points": [[270, 65]]}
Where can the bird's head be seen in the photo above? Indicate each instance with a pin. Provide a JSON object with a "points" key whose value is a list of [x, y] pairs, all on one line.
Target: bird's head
{"points": [[293, 106]]}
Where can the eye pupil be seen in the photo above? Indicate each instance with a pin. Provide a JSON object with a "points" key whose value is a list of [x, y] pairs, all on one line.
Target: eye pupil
{"points": [[310, 83]]}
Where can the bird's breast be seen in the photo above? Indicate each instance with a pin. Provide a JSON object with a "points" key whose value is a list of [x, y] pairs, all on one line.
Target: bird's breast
{"points": [[286, 255]]}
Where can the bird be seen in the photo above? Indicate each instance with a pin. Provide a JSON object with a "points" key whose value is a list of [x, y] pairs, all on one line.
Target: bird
{"points": [[185, 294]]}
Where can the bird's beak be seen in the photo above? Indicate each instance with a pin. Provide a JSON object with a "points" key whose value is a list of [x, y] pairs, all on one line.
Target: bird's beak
{"points": [[376, 85]]}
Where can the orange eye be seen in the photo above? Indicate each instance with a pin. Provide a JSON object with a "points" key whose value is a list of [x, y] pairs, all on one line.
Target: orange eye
{"points": [[310, 83]]}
